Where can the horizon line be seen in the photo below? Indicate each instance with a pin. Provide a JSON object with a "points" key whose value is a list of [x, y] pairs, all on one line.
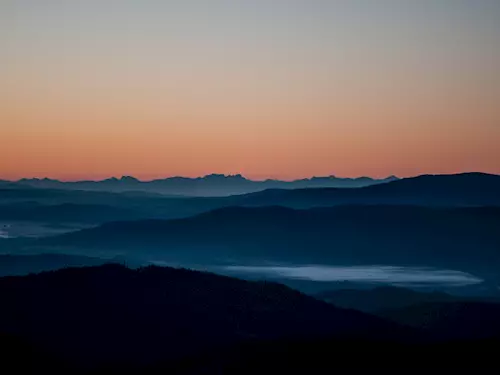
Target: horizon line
{"points": [[240, 175], [124, 177]]}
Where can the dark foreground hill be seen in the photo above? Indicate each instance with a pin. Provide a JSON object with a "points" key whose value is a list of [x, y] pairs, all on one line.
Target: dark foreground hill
{"points": [[464, 239], [453, 320], [163, 320], [382, 298], [273, 357], [115, 314], [333, 356]]}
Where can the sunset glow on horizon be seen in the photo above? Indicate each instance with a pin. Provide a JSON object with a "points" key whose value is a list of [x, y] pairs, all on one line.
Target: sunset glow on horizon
{"points": [[266, 89]]}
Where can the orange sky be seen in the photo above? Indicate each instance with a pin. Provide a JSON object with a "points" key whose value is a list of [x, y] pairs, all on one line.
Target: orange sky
{"points": [[153, 90]]}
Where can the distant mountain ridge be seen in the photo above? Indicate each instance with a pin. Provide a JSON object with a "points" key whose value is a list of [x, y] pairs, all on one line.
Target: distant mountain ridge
{"points": [[209, 185], [25, 202], [465, 189]]}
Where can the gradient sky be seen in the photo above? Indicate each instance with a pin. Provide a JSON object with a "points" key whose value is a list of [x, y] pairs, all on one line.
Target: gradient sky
{"points": [[266, 88]]}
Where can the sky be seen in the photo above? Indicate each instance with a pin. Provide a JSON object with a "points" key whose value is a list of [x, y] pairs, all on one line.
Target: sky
{"points": [[267, 88]]}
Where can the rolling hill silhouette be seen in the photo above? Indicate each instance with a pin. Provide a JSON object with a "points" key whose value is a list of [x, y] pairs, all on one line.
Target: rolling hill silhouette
{"points": [[451, 238], [112, 313], [176, 321]]}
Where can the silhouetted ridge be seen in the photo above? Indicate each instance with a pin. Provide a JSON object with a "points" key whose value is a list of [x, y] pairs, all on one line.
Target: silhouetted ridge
{"points": [[115, 313], [449, 238], [470, 189], [464, 182], [209, 185]]}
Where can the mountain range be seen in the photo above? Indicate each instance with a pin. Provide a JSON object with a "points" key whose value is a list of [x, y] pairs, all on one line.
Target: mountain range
{"points": [[56, 205], [466, 189], [210, 185]]}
